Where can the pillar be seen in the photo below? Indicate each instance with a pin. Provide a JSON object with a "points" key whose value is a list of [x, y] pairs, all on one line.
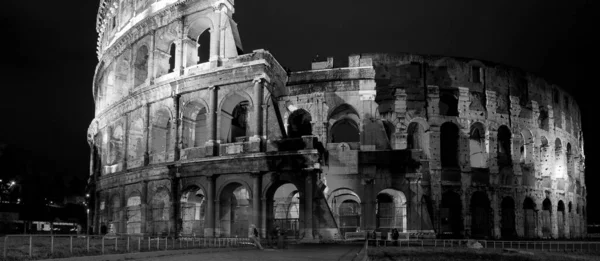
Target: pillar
{"points": [[256, 127], [263, 223], [368, 215], [256, 202], [212, 143], [308, 207], [178, 128], [215, 36], [175, 204], [147, 130], [144, 208], [209, 228]]}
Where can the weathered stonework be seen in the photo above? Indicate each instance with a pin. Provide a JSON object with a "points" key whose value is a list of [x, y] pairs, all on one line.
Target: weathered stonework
{"points": [[193, 136]]}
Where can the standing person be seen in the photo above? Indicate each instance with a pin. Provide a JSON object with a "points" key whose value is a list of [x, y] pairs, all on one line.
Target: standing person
{"points": [[255, 237], [274, 235]]}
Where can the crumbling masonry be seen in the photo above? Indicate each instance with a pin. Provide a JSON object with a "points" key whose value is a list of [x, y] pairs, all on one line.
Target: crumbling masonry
{"points": [[193, 136]]}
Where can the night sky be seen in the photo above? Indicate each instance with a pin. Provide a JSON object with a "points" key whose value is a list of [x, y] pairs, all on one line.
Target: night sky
{"points": [[49, 56]]}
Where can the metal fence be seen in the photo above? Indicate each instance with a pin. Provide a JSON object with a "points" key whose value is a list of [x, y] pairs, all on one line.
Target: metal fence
{"points": [[57, 246], [579, 246]]}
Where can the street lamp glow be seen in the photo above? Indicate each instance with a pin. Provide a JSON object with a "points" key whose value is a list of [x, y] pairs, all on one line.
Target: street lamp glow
{"points": [[12, 183]]}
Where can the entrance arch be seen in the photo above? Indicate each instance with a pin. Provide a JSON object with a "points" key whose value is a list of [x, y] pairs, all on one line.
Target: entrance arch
{"points": [[508, 218], [560, 218], [193, 211], [345, 205], [284, 209], [235, 211], [529, 218], [480, 215], [546, 221], [451, 214], [390, 210], [134, 213], [161, 206]]}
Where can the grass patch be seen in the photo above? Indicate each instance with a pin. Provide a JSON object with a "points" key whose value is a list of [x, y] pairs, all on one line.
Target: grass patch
{"points": [[456, 254]]}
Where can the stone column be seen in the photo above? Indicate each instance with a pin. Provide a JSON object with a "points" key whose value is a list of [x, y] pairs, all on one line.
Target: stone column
{"points": [[175, 203], [148, 130], [256, 127], [256, 202], [125, 142], [178, 128], [209, 229], [215, 35], [263, 222], [123, 212], [368, 213], [151, 62], [211, 119], [144, 208], [308, 207]]}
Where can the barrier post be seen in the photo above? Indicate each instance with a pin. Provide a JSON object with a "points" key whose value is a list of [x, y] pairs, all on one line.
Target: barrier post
{"points": [[88, 243], [128, 244], [30, 246], [5, 240], [116, 243], [140, 244], [103, 245], [52, 244], [71, 244]]}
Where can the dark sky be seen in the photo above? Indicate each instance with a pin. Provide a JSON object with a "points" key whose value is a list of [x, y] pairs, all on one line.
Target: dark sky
{"points": [[49, 54]]}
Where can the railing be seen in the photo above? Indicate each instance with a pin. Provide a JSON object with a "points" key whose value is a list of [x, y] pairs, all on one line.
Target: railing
{"points": [[56, 246], [581, 246]]}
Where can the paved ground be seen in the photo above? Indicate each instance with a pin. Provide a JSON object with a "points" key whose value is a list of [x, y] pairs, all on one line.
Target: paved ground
{"points": [[294, 253]]}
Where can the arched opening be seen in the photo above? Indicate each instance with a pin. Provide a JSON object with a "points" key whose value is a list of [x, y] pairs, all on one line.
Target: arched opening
{"points": [[204, 46], [527, 147], [284, 212], [299, 124], [451, 215], [543, 118], [141, 66], [529, 218], [115, 151], [234, 119], [546, 218], [195, 131], [415, 137], [345, 130], [478, 157], [172, 54], [134, 213], [448, 104], [160, 209], [560, 219], [504, 147], [346, 208], [161, 135], [557, 149], [235, 211], [569, 160], [390, 211], [193, 210], [508, 230], [121, 75], [480, 215], [286, 209], [449, 138], [115, 215], [135, 145]]}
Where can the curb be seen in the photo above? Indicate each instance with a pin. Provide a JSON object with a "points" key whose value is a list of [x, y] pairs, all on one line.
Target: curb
{"points": [[144, 255]]}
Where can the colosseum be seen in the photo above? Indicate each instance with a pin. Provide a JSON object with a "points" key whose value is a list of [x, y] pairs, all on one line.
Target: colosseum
{"points": [[193, 135]]}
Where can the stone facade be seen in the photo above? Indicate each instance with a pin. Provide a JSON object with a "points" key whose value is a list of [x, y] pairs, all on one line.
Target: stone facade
{"points": [[193, 136]]}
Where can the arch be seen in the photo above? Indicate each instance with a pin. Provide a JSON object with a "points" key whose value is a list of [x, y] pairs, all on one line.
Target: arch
{"points": [[389, 128], [449, 149], [345, 130], [451, 214], [503, 149], [140, 66], [390, 210], [122, 74], [160, 208], [135, 144], [235, 210], [477, 151], [560, 219], [546, 218], [115, 146], [448, 104], [299, 124], [193, 209], [342, 111], [557, 148], [172, 54], [234, 112], [529, 218], [134, 213], [527, 146], [415, 136], [195, 129], [285, 211], [161, 135], [199, 34], [570, 166], [508, 230], [480, 215], [115, 213], [345, 204]]}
